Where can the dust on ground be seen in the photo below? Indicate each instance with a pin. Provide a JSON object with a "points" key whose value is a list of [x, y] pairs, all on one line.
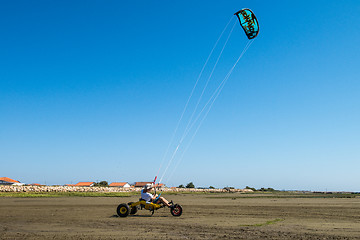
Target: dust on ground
{"points": [[205, 216]]}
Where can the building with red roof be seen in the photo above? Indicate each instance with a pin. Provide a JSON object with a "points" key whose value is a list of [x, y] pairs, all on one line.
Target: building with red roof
{"points": [[141, 184], [159, 185], [9, 181], [84, 184], [120, 184]]}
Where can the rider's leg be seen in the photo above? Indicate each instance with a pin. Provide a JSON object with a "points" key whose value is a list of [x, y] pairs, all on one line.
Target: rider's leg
{"points": [[163, 200]]}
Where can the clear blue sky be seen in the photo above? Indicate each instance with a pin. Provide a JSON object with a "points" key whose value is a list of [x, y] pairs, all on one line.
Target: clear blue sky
{"points": [[93, 90]]}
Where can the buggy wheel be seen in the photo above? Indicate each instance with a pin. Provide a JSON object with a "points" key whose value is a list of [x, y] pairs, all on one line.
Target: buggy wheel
{"points": [[133, 210], [176, 210], [123, 210]]}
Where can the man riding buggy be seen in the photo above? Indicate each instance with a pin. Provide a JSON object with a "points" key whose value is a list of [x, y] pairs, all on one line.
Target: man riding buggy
{"points": [[148, 197]]}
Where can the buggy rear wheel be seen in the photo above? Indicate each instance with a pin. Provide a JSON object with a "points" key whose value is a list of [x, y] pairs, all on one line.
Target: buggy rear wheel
{"points": [[176, 210], [123, 210], [133, 210]]}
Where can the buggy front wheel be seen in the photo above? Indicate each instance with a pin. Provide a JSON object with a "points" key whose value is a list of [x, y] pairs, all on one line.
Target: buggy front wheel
{"points": [[176, 210]]}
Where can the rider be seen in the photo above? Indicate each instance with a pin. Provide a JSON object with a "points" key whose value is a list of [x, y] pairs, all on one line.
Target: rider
{"points": [[148, 197]]}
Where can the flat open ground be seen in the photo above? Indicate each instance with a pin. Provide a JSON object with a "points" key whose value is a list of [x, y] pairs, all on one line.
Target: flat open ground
{"points": [[205, 216]]}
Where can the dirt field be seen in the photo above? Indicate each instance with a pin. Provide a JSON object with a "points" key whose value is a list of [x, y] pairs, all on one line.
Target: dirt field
{"points": [[205, 216]]}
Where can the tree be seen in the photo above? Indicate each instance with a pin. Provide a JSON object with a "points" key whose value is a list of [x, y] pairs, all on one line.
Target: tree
{"points": [[190, 185], [251, 188], [266, 189], [211, 187], [102, 184], [181, 186]]}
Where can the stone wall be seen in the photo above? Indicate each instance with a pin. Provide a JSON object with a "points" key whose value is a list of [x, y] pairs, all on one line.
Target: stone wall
{"points": [[7, 188], [4, 188]]}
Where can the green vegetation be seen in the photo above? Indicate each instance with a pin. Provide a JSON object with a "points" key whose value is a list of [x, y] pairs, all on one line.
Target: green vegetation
{"points": [[261, 189], [181, 186], [251, 188], [87, 194], [227, 195], [264, 224], [190, 185], [266, 189], [191, 193], [101, 184]]}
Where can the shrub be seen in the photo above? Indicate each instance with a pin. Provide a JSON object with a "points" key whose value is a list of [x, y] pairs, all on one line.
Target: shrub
{"points": [[251, 188], [102, 184], [266, 189]]}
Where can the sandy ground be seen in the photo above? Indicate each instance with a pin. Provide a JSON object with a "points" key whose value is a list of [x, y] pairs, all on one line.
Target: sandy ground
{"points": [[205, 216]]}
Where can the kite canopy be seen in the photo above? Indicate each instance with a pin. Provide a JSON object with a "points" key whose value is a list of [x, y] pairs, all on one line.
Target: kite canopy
{"points": [[248, 22]]}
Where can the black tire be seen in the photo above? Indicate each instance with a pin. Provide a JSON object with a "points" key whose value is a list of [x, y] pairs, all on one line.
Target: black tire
{"points": [[123, 210], [176, 210], [133, 210]]}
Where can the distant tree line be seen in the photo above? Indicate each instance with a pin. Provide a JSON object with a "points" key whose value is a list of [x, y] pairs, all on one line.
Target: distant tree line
{"points": [[261, 189], [189, 185]]}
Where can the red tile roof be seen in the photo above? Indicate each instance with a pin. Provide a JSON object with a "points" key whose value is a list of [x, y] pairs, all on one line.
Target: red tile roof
{"points": [[84, 184], [6, 179], [141, 184], [117, 184]]}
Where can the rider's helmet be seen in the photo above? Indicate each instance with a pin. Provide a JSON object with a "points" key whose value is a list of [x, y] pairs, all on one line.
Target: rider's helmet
{"points": [[148, 186]]}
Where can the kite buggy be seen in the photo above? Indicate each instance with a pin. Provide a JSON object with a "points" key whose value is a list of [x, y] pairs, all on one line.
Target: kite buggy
{"points": [[148, 202], [123, 210]]}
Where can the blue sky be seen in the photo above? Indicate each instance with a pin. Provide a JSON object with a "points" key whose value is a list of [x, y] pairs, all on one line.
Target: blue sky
{"points": [[93, 90]]}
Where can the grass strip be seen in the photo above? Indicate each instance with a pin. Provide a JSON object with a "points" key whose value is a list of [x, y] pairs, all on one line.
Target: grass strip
{"points": [[89, 194]]}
